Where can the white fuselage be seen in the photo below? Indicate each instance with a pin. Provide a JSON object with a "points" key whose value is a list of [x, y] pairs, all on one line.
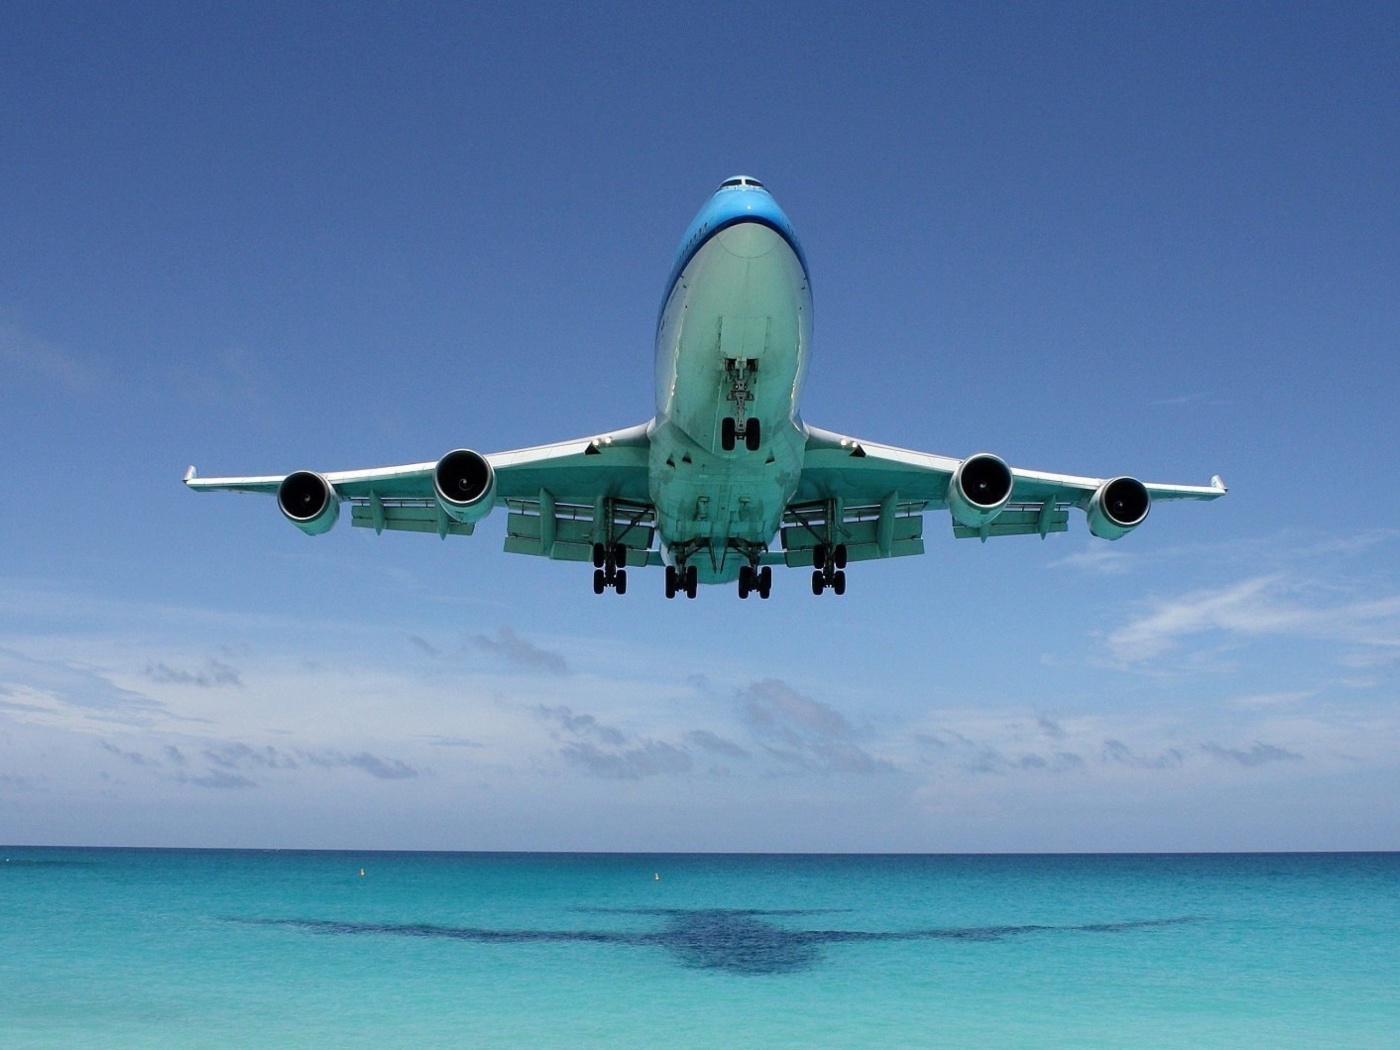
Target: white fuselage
{"points": [[739, 305]]}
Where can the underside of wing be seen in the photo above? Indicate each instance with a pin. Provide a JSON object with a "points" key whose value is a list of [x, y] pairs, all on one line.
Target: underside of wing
{"points": [[560, 496], [871, 498]]}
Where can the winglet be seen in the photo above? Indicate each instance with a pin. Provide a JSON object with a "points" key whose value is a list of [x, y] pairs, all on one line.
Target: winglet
{"points": [[190, 475], [1215, 483]]}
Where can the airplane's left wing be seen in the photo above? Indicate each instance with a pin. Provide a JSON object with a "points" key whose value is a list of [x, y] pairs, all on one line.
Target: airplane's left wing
{"points": [[871, 498], [562, 498]]}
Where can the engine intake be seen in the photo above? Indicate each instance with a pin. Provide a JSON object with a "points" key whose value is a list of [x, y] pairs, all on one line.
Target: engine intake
{"points": [[1118, 507], [465, 485], [308, 501], [979, 489]]}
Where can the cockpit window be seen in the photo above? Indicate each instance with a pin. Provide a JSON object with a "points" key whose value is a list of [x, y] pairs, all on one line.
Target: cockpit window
{"points": [[741, 180]]}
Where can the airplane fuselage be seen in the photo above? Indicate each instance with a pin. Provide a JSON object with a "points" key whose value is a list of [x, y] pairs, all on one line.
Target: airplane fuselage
{"points": [[732, 344]]}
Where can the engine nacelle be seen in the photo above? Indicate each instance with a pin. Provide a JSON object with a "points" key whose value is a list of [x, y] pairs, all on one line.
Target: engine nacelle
{"points": [[979, 489], [465, 485], [1118, 507], [308, 501]]}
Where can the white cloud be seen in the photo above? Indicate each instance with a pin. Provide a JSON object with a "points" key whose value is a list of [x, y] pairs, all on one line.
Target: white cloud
{"points": [[1261, 606]]}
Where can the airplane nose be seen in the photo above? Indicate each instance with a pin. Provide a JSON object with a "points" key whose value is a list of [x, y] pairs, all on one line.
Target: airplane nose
{"points": [[749, 240]]}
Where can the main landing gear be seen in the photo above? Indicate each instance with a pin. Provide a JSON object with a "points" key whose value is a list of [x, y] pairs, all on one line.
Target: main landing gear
{"points": [[829, 568], [609, 561], [682, 578], [752, 578]]}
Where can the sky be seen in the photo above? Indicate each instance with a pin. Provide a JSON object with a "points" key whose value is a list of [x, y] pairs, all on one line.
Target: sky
{"points": [[1156, 239]]}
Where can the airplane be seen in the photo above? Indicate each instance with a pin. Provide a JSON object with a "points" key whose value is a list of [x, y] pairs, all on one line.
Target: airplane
{"points": [[726, 480]]}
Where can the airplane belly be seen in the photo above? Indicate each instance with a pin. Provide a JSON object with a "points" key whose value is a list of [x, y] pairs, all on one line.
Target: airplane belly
{"points": [[732, 342]]}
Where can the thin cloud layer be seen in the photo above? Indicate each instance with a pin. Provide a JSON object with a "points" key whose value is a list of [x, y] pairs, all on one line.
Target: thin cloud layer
{"points": [[802, 732]]}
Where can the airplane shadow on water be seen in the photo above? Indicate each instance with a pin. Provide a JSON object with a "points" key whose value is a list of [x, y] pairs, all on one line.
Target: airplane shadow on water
{"points": [[739, 941]]}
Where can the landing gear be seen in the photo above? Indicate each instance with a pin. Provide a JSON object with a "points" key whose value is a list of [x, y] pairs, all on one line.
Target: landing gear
{"points": [[730, 430], [829, 568], [682, 579], [609, 567], [752, 578]]}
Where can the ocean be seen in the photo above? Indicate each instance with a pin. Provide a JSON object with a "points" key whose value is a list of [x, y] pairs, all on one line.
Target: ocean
{"points": [[126, 949]]}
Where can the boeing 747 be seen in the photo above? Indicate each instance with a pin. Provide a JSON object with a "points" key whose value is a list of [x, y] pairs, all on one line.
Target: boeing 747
{"points": [[726, 480]]}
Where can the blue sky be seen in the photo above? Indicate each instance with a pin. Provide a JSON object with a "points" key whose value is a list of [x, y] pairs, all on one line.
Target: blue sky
{"points": [[1149, 239]]}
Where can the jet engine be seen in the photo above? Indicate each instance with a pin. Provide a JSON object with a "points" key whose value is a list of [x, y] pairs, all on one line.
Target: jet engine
{"points": [[979, 489], [308, 501], [465, 485], [1118, 507]]}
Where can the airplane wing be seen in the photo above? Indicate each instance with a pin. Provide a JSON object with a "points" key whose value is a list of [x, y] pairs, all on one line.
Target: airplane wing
{"points": [[562, 498], [872, 497]]}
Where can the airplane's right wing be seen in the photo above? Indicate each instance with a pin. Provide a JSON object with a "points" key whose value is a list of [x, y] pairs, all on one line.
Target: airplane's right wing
{"points": [[562, 498], [871, 499]]}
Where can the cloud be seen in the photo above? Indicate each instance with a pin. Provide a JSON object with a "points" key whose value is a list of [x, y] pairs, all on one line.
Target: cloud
{"points": [[518, 651], [649, 758], [215, 673], [1117, 752], [1257, 755], [73, 686], [1258, 607], [218, 779], [135, 758], [715, 744], [582, 725], [1099, 559], [803, 732], [981, 757], [234, 755], [606, 751]]}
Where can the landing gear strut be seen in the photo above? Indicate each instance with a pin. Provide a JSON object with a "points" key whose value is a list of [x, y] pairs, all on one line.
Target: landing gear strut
{"points": [[609, 567], [829, 568], [737, 372]]}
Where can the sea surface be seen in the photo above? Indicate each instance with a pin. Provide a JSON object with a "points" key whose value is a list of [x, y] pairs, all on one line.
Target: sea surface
{"points": [[212, 949]]}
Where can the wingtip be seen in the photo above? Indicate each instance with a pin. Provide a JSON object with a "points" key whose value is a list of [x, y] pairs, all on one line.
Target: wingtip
{"points": [[189, 474], [1215, 483]]}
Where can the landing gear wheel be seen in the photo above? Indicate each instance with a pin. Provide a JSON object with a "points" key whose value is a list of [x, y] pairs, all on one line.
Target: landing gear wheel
{"points": [[692, 581], [838, 582], [600, 555], [751, 435], [620, 581], [819, 556], [818, 582], [745, 580], [600, 581], [765, 581], [671, 583], [726, 434], [619, 555], [838, 556]]}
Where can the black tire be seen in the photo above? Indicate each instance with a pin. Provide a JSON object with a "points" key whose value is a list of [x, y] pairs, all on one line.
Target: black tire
{"points": [[838, 582], [818, 582], [765, 582], [692, 581], [600, 555], [620, 581], [600, 581], [745, 580], [726, 433], [620, 555], [671, 581], [751, 435], [819, 556], [838, 556]]}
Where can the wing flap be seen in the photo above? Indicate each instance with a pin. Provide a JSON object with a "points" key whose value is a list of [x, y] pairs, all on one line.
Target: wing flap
{"points": [[405, 515]]}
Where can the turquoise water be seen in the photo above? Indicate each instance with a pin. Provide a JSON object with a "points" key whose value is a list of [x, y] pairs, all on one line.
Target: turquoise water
{"points": [[212, 949]]}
